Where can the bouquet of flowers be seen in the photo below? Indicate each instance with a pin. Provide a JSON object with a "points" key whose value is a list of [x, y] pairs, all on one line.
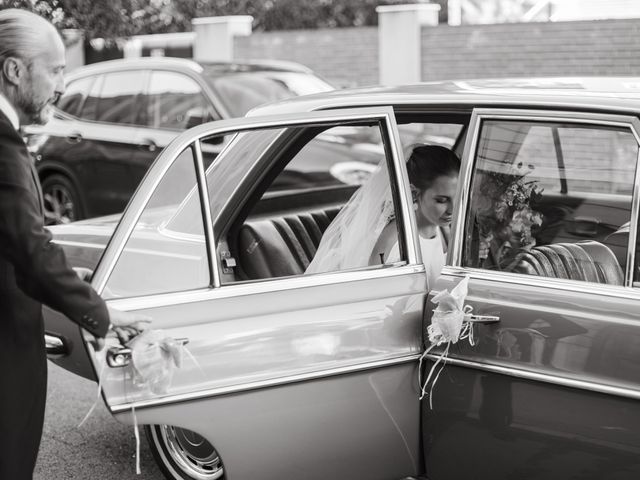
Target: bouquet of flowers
{"points": [[504, 215]]}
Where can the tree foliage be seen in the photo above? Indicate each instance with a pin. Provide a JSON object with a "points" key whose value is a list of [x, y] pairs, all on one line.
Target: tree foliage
{"points": [[111, 19]]}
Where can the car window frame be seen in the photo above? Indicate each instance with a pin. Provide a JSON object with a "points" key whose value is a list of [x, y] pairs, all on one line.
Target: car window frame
{"points": [[191, 139], [98, 83], [213, 110], [479, 115], [92, 79]]}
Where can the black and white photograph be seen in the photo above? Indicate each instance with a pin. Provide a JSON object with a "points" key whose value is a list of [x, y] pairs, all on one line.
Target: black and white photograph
{"points": [[320, 239]]}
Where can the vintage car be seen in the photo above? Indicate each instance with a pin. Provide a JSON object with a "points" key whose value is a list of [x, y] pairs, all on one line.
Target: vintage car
{"points": [[315, 376], [116, 116]]}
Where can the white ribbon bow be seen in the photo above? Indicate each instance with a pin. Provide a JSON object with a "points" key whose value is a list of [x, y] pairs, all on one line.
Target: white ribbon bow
{"points": [[449, 324]]}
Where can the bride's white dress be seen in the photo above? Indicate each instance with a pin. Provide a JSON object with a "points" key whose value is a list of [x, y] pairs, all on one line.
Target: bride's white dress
{"points": [[433, 256]]}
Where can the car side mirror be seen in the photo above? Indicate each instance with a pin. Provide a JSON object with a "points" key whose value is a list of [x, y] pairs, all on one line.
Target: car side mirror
{"points": [[197, 116]]}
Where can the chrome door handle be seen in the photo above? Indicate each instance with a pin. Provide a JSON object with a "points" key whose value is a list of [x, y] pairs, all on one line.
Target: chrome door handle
{"points": [[149, 145], [74, 138], [482, 318], [56, 346], [121, 356]]}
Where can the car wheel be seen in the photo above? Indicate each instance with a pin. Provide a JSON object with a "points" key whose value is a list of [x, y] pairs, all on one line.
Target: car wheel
{"points": [[61, 200], [182, 454]]}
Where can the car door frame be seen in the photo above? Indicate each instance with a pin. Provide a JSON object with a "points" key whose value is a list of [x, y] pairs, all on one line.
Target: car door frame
{"points": [[161, 165], [491, 381], [388, 375]]}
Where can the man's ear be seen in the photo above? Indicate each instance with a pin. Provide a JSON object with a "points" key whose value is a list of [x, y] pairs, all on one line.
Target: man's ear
{"points": [[13, 70]]}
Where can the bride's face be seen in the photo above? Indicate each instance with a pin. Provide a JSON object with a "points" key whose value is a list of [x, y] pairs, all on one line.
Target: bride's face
{"points": [[435, 204]]}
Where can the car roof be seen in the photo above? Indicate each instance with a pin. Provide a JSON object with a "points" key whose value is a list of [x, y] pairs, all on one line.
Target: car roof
{"points": [[184, 63], [582, 93]]}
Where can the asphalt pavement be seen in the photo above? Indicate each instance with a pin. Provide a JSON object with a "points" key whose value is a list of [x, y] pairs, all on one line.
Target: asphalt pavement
{"points": [[101, 449]]}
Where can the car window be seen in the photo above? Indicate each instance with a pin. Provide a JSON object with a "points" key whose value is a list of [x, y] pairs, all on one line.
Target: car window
{"points": [[583, 165], [242, 91], [159, 260], [551, 199], [75, 93], [175, 101], [114, 98], [303, 178]]}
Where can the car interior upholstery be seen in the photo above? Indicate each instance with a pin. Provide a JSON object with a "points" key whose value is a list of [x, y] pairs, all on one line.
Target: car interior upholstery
{"points": [[278, 246], [588, 261]]}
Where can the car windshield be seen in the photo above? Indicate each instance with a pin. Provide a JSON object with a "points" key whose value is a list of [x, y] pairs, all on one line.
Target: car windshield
{"points": [[242, 91]]}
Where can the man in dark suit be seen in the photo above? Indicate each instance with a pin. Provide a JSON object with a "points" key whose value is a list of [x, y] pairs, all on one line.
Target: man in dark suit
{"points": [[33, 270]]}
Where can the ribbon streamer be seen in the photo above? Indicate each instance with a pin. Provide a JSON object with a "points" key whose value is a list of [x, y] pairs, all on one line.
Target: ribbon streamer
{"points": [[154, 357], [450, 323]]}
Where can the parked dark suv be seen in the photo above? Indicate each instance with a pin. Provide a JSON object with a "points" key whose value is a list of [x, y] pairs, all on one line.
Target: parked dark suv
{"points": [[116, 116]]}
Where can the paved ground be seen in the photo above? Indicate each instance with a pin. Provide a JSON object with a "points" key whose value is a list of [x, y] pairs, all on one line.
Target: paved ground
{"points": [[101, 448]]}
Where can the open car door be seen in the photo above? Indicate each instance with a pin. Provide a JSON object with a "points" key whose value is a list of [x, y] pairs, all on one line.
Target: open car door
{"points": [[287, 375]]}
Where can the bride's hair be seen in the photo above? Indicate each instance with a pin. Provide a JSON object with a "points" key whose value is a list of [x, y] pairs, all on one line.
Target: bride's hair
{"points": [[353, 234], [428, 162]]}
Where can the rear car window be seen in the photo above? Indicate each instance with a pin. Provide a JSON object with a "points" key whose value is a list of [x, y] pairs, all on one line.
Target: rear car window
{"points": [[552, 199], [115, 98], [242, 91], [74, 96], [173, 100]]}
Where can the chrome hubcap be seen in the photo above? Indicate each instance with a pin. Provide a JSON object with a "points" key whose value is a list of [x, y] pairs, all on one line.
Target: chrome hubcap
{"points": [[58, 205], [193, 454]]}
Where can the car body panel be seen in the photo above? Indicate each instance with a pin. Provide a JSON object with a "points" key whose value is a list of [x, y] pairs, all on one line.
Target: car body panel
{"points": [[350, 338], [358, 425], [597, 94], [247, 335], [534, 386], [510, 427], [330, 361]]}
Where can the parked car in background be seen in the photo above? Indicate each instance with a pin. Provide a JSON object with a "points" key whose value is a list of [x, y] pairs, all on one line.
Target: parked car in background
{"points": [[116, 116], [315, 376]]}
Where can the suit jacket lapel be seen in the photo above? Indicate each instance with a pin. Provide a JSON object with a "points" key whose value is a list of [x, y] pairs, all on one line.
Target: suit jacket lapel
{"points": [[29, 158], [36, 181]]}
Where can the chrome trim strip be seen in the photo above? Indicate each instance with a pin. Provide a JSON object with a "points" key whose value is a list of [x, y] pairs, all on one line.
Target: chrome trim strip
{"points": [[214, 392], [619, 291], [454, 256], [541, 377], [205, 204], [577, 286], [265, 286], [414, 255], [633, 224], [455, 101], [79, 244]]}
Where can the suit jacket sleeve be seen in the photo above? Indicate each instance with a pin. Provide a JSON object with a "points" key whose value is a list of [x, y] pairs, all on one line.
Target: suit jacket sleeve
{"points": [[41, 268]]}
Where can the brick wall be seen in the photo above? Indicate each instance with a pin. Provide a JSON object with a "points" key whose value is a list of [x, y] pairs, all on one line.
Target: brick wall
{"points": [[604, 47], [349, 56], [344, 56]]}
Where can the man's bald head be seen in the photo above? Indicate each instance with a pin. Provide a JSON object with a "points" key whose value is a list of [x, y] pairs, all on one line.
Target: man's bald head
{"points": [[31, 63]]}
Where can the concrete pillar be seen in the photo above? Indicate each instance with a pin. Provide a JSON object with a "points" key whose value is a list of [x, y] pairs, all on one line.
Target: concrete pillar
{"points": [[74, 46], [400, 39], [214, 36], [133, 48], [454, 12]]}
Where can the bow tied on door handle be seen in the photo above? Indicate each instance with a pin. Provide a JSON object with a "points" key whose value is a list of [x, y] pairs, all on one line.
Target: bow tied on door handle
{"points": [[451, 322]]}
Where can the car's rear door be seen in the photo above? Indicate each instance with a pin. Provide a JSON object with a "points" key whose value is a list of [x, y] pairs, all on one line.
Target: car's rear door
{"points": [[297, 376], [551, 390]]}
